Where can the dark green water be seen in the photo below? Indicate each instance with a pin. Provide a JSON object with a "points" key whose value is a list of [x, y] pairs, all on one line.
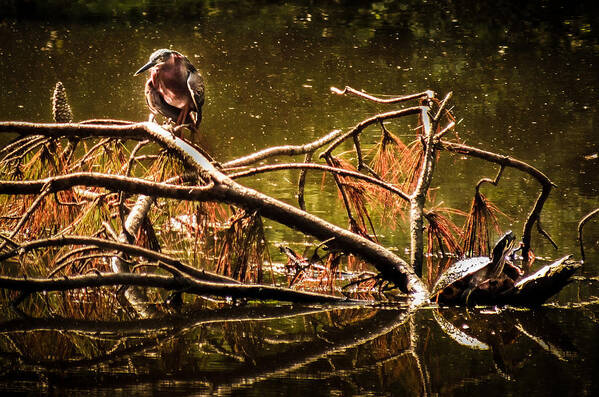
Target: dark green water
{"points": [[525, 83]]}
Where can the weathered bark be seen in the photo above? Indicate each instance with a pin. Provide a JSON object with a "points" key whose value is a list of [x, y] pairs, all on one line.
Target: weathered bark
{"points": [[418, 197]]}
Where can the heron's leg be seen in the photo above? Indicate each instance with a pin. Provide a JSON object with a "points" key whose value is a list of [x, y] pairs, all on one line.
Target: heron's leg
{"points": [[183, 115]]}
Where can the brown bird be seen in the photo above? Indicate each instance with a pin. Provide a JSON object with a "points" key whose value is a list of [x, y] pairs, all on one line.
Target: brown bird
{"points": [[175, 88]]}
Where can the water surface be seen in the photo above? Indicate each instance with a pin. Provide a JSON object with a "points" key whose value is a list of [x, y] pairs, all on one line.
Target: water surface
{"points": [[525, 84]]}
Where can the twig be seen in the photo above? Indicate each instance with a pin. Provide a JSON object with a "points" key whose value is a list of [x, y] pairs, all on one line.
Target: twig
{"points": [[301, 182], [341, 188], [130, 249], [581, 224], [107, 122], [90, 152], [442, 107], [379, 118], [340, 171], [26, 215], [447, 128], [543, 233], [127, 172], [493, 182], [78, 259]]}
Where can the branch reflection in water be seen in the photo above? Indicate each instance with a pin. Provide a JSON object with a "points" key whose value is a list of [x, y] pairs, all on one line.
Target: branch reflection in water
{"points": [[358, 348]]}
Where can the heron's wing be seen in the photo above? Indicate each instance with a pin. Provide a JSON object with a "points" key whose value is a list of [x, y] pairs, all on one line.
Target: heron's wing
{"points": [[195, 83], [157, 104]]}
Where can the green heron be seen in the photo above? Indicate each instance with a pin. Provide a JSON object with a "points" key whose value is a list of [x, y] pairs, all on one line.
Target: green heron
{"points": [[175, 87]]}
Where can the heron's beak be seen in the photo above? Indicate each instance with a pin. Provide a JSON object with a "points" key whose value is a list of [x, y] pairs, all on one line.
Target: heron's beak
{"points": [[145, 67]]}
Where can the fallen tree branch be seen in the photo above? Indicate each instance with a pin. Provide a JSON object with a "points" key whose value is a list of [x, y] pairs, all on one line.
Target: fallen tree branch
{"points": [[392, 267], [130, 249], [186, 284]]}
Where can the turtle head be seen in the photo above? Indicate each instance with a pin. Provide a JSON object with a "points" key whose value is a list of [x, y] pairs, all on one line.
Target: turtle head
{"points": [[503, 246]]}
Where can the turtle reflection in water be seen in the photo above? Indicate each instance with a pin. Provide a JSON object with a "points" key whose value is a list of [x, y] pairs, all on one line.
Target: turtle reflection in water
{"points": [[469, 280]]}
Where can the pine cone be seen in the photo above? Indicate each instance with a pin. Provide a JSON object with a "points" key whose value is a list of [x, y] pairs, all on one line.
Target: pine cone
{"points": [[60, 105]]}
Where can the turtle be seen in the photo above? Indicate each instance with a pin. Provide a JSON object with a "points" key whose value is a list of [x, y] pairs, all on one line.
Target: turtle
{"points": [[463, 277]]}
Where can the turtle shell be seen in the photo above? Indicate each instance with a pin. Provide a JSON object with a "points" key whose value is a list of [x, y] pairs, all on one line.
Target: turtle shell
{"points": [[459, 270]]}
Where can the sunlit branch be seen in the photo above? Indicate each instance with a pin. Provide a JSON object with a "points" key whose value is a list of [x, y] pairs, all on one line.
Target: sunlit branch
{"points": [[45, 191], [418, 197], [111, 182], [287, 150], [349, 90]]}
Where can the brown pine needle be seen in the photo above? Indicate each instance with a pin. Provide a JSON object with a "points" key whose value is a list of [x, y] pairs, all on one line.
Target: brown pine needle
{"points": [[357, 195], [482, 217]]}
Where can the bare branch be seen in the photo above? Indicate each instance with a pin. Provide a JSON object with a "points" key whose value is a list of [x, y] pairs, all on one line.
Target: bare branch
{"points": [[508, 161], [581, 224], [288, 150], [301, 182], [377, 119], [261, 292], [335, 170], [349, 90], [45, 191], [493, 182], [130, 249], [418, 197]]}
